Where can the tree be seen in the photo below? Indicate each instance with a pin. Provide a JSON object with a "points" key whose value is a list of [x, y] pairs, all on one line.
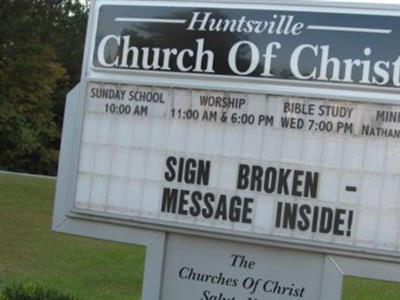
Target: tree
{"points": [[37, 67]]}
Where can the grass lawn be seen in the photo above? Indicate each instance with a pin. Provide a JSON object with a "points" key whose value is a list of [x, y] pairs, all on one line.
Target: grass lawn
{"points": [[29, 251], [365, 289], [86, 268]]}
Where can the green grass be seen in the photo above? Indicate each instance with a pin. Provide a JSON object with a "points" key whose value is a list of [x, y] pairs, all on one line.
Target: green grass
{"points": [[366, 289], [29, 251], [86, 268]]}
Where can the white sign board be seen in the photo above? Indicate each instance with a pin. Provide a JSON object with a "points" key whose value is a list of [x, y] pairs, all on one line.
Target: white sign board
{"points": [[243, 121], [249, 164]]}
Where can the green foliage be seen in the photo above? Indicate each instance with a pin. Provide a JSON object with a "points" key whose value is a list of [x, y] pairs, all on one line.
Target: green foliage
{"points": [[32, 291], [41, 45]]}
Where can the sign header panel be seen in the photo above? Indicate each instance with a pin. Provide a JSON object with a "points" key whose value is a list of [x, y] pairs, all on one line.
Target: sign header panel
{"points": [[260, 42]]}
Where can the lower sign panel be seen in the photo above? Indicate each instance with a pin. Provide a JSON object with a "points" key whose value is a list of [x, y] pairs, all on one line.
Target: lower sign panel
{"points": [[203, 269], [298, 169]]}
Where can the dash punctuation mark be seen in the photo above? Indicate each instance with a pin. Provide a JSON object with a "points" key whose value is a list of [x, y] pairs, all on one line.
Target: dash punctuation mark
{"points": [[351, 188]]}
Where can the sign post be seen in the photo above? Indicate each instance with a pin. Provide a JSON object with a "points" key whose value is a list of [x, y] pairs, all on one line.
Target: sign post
{"points": [[251, 147]]}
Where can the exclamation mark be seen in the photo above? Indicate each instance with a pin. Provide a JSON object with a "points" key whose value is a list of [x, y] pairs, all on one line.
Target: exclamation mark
{"points": [[350, 222]]}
